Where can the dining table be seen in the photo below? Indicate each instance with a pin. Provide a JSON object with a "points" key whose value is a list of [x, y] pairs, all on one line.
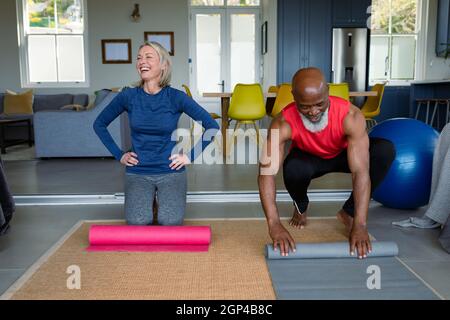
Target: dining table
{"points": [[225, 104]]}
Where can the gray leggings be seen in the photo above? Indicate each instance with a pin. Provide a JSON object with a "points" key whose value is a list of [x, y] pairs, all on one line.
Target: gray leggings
{"points": [[140, 191]]}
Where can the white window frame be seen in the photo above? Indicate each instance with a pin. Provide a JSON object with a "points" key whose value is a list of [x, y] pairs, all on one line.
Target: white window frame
{"points": [[420, 48], [23, 53], [225, 12]]}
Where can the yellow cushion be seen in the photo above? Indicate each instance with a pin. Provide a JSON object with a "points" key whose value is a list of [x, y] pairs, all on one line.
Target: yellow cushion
{"points": [[14, 104]]}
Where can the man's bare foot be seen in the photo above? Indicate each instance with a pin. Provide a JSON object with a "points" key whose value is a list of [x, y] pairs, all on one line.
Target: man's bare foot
{"points": [[345, 219], [298, 220]]}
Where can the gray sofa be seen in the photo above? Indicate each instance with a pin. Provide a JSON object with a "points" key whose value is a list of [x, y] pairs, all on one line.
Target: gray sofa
{"points": [[40, 102], [68, 133]]}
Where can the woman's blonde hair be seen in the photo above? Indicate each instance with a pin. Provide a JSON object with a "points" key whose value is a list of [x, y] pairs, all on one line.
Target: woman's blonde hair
{"points": [[165, 62]]}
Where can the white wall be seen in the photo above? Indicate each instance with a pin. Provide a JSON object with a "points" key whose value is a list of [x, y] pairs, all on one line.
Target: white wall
{"points": [[269, 8], [436, 68], [107, 19]]}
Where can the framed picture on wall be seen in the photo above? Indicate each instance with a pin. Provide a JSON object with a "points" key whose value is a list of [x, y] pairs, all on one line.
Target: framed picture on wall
{"points": [[116, 51], [264, 38], [164, 38]]}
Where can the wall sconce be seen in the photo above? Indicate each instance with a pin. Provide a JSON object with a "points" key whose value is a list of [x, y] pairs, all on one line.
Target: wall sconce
{"points": [[136, 16]]}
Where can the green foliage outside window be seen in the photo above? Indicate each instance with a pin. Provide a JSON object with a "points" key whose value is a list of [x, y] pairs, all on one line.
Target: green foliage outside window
{"points": [[41, 13], [400, 15]]}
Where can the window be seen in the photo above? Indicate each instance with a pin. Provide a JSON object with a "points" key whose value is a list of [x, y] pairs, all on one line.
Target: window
{"points": [[52, 43], [239, 3], [224, 44], [393, 40]]}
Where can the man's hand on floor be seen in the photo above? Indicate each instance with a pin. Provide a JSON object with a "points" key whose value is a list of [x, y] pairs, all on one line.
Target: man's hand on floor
{"points": [[359, 240], [281, 238]]}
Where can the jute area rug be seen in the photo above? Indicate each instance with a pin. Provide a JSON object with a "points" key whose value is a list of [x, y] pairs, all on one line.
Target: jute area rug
{"points": [[233, 268]]}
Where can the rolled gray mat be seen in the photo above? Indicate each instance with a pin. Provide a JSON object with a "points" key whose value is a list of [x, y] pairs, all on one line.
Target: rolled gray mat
{"points": [[324, 271], [332, 250]]}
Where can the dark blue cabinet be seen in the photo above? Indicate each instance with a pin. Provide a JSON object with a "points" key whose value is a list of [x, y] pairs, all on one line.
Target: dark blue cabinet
{"points": [[443, 29], [304, 37], [350, 13]]}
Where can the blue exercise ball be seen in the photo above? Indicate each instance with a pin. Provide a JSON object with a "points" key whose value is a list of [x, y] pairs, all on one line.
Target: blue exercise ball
{"points": [[408, 182]]}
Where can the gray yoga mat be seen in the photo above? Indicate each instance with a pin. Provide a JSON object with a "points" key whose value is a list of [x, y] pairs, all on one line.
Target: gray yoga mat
{"points": [[332, 250], [324, 271]]}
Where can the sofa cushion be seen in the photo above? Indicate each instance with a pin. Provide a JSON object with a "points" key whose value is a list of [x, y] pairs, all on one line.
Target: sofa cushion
{"points": [[14, 103], [81, 99], [65, 133], [51, 101]]}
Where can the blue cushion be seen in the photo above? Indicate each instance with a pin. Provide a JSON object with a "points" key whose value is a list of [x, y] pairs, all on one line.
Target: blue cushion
{"points": [[81, 99]]}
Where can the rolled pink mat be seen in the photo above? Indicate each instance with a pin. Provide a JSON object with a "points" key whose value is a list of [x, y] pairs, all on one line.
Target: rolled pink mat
{"points": [[149, 238]]}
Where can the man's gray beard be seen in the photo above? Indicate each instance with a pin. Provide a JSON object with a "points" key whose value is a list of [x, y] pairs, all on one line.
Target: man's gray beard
{"points": [[315, 126]]}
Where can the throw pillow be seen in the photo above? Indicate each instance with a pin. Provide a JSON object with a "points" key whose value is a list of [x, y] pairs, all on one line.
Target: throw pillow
{"points": [[14, 104]]}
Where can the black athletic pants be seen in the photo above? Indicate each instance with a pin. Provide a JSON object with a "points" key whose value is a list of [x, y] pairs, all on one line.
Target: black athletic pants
{"points": [[299, 168]]}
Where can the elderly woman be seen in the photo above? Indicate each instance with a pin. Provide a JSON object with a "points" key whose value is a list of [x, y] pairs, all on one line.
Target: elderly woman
{"points": [[154, 109]]}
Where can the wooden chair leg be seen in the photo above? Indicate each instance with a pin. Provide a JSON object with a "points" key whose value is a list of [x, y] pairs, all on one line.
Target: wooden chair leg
{"points": [[192, 133], [258, 137], [233, 136]]}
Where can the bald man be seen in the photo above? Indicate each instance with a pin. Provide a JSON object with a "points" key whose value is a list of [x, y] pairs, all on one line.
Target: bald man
{"points": [[327, 134]]}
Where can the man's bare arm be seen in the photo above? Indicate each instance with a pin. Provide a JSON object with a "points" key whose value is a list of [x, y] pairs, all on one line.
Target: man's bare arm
{"points": [[358, 161], [270, 163]]}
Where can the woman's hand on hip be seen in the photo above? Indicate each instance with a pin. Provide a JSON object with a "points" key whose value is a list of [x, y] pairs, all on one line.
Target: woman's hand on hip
{"points": [[178, 161], [129, 159]]}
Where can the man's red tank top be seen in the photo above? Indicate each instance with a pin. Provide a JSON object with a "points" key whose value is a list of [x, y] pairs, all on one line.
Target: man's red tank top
{"points": [[327, 143]]}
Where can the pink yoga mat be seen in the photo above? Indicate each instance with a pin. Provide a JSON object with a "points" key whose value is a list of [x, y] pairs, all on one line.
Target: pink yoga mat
{"points": [[149, 238]]}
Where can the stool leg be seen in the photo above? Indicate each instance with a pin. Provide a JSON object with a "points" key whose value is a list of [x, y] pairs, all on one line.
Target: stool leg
{"points": [[436, 104], [447, 118], [419, 104], [438, 117], [428, 111]]}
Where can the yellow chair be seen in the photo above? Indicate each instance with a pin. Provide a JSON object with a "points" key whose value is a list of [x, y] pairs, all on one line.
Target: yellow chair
{"points": [[213, 115], [371, 108], [284, 97], [273, 89], [188, 91], [246, 106], [271, 100], [339, 90]]}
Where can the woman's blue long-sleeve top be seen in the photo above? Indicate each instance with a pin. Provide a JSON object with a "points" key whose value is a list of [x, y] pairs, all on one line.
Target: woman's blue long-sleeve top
{"points": [[153, 118]]}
